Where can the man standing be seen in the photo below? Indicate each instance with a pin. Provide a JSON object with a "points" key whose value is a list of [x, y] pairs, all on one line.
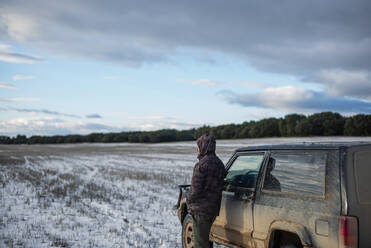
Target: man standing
{"points": [[205, 194]]}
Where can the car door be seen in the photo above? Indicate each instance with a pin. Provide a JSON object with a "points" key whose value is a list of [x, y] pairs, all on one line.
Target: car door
{"points": [[235, 221]]}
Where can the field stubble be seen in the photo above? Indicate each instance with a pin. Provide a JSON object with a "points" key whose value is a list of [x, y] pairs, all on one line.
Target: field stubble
{"points": [[90, 196], [115, 195]]}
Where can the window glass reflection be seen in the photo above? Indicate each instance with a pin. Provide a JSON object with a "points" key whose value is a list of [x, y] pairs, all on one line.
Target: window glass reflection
{"points": [[299, 173], [244, 171]]}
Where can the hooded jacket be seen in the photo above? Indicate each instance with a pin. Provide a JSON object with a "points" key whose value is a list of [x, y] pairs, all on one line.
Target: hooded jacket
{"points": [[205, 194]]}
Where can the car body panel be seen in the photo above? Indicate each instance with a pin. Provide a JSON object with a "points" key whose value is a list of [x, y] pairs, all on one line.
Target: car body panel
{"points": [[235, 220], [271, 206], [357, 207]]}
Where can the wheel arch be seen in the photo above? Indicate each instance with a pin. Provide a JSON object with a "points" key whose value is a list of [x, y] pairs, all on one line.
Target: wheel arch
{"points": [[286, 226]]}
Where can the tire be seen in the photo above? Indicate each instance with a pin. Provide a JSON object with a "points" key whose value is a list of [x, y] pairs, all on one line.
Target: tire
{"points": [[283, 239], [290, 245], [187, 232]]}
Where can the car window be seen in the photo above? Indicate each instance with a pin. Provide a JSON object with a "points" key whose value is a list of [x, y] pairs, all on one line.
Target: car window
{"points": [[244, 170], [300, 172]]}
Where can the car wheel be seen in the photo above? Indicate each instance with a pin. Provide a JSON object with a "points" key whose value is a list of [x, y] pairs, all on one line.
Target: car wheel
{"points": [[187, 232]]}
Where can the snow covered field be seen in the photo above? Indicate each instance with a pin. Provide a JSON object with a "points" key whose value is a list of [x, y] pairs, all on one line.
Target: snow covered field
{"points": [[100, 195]]}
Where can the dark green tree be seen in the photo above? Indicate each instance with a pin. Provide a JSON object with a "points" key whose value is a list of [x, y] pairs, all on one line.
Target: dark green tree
{"points": [[358, 125], [319, 124], [5, 140], [287, 125], [304, 128]]}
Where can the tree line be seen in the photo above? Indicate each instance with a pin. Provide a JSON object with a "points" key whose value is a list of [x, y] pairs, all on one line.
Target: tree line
{"points": [[292, 125]]}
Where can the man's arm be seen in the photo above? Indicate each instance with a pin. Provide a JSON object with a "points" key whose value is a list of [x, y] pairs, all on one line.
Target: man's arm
{"points": [[198, 182]]}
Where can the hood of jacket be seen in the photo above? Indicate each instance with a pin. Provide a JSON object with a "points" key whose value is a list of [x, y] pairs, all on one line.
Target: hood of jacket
{"points": [[206, 144]]}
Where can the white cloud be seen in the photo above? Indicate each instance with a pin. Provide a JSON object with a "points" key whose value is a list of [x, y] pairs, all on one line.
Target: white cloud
{"points": [[20, 27], [212, 83], [306, 47], [7, 86], [7, 55], [253, 84], [19, 99], [342, 76], [156, 122], [202, 82], [24, 99], [39, 111], [280, 96], [17, 58], [21, 77], [62, 125], [4, 48], [294, 99], [340, 82], [35, 125]]}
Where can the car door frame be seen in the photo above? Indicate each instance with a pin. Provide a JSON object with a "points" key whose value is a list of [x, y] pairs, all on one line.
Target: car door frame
{"points": [[247, 236]]}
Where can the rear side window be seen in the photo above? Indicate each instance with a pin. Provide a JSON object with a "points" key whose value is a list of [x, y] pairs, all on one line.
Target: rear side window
{"points": [[296, 172], [362, 171]]}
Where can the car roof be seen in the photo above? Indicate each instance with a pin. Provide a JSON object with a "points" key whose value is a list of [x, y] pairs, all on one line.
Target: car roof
{"points": [[306, 146]]}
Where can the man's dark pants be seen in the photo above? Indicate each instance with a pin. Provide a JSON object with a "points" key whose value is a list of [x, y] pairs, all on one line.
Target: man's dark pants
{"points": [[201, 230]]}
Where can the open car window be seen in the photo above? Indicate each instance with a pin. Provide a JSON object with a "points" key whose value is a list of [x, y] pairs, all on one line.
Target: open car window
{"points": [[244, 171]]}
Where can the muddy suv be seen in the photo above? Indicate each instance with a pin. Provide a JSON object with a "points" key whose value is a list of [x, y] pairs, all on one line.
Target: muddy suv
{"points": [[305, 195]]}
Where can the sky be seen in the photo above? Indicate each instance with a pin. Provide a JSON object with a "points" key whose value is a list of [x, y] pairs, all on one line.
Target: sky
{"points": [[77, 67]]}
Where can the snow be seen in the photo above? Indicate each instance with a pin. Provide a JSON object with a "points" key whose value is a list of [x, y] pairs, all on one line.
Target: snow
{"points": [[98, 195]]}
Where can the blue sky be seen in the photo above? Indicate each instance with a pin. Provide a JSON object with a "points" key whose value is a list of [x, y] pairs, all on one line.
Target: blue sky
{"points": [[93, 66]]}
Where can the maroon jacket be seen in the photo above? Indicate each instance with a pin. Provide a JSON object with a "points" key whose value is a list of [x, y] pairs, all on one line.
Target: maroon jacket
{"points": [[205, 194]]}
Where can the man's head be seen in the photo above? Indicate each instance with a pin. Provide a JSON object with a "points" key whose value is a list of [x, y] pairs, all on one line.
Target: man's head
{"points": [[206, 144]]}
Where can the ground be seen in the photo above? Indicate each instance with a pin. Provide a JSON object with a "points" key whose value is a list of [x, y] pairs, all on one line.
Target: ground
{"points": [[98, 195]]}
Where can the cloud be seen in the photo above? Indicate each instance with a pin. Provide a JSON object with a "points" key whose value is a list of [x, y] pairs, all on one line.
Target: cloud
{"points": [[41, 111], [293, 37], [7, 55], [212, 83], [94, 116], [18, 58], [293, 99], [21, 77], [253, 84], [7, 86], [19, 99], [156, 122], [310, 40], [202, 82], [97, 127], [51, 126], [54, 125], [350, 83], [32, 126], [20, 27]]}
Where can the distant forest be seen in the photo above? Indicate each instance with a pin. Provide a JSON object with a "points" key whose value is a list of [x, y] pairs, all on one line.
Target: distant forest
{"points": [[292, 125]]}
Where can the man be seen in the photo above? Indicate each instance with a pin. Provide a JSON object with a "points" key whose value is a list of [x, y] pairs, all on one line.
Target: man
{"points": [[204, 196]]}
